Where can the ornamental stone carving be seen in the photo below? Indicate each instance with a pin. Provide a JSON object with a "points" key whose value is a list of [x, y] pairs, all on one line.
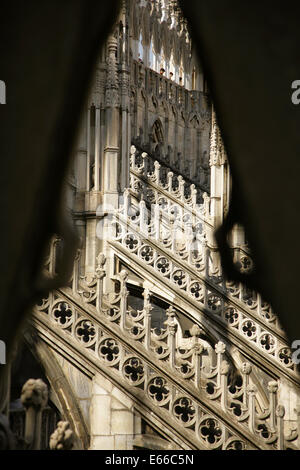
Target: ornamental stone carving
{"points": [[62, 438], [34, 394], [164, 344]]}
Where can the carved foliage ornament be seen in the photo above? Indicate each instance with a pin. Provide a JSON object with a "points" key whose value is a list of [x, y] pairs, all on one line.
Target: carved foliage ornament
{"points": [[62, 438], [34, 394]]}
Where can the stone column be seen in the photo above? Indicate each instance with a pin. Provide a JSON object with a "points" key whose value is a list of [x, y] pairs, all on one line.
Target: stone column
{"points": [[125, 103], [112, 151], [216, 162], [80, 163], [92, 194], [88, 149], [97, 151]]}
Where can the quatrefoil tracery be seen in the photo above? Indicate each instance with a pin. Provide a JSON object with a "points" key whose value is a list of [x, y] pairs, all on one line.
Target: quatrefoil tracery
{"points": [[109, 351], [133, 370], [159, 391], [184, 410], [62, 313], [211, 431], [85, 332]]}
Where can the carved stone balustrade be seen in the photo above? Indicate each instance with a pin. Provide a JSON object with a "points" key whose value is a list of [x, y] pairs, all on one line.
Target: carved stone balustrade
{"points": [[178, 359], [147, 173], [162, 87], [239, 309]]}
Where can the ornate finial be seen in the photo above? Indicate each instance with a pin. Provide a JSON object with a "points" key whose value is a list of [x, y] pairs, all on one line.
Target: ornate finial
{"points": [[146, 295], [101, 260], [34, 393], [147, 304], [171, 312], [220, 348], [206, 200], [62, 438], [170, 322], [112, 95], [123, 275], [246, 368], [217, 151], [280, 411]]}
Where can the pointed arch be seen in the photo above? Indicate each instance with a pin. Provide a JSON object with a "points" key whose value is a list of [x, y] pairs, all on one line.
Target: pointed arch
{"points": [[157, 132]]}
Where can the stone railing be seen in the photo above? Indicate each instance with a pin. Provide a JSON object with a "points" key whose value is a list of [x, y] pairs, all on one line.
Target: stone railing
{"points": [[155, 180], [187, 379], [170, 211], [179, 202], [241, 313], [162, 87], [186, 236]]}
